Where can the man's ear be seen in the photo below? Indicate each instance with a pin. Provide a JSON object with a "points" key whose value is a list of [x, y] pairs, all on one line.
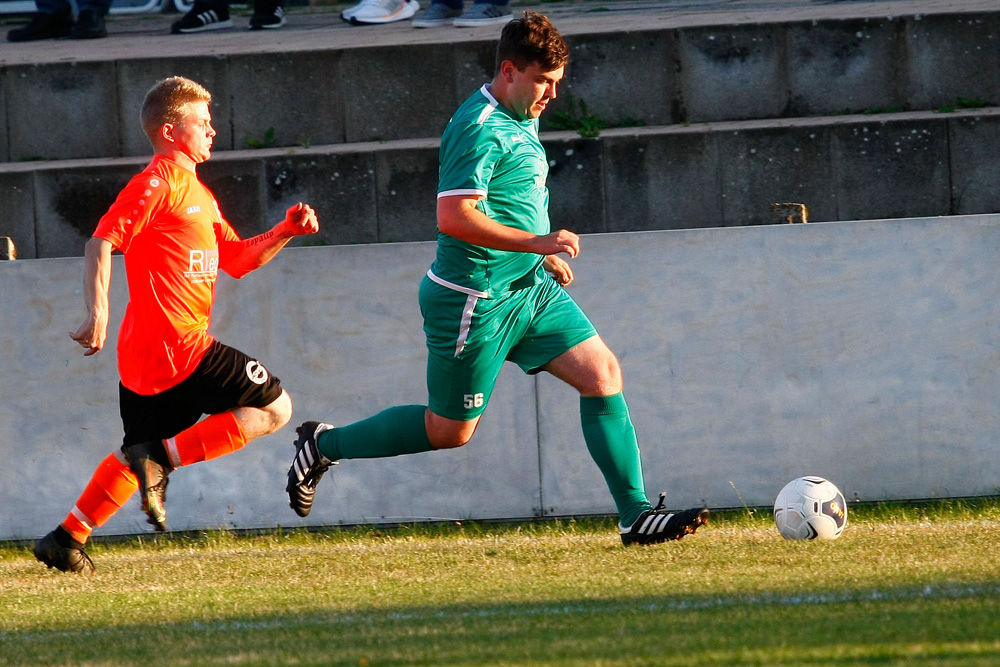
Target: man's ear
{"points": [[507, 69], [167, 132]]}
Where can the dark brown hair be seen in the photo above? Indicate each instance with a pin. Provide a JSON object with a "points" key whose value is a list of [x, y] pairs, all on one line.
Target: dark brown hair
{"points": [[532, 39]]}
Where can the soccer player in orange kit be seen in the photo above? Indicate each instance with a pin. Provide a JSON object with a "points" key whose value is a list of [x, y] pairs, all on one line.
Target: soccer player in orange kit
{"points": [[173, 371]]}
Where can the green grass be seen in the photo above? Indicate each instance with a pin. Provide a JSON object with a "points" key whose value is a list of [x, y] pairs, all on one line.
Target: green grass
{"points": [[905, 585]]}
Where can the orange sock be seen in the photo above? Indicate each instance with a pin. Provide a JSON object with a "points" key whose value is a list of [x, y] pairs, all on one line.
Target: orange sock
{"points": [[109, 488], [210, 438]]}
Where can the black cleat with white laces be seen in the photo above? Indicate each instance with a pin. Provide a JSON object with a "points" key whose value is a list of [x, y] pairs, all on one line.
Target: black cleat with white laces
{"points": [[307, 468], [658, 525], [148, 461], [59, 550]]}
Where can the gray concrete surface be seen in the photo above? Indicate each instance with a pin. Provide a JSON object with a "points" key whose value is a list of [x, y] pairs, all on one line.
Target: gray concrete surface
{"points": [[320, 81], [865, 352], [675, 177]]}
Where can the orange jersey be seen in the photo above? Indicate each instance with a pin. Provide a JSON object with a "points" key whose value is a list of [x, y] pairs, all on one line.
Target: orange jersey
{"points": [[175, 239]]}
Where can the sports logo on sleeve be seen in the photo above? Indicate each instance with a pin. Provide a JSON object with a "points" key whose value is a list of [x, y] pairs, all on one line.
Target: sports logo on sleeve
{"points": [[256, 372]]}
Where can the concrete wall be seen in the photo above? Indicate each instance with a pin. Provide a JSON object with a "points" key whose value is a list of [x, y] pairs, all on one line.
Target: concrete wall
{"points": [[720, 174], [865, 352], [677, 74]]}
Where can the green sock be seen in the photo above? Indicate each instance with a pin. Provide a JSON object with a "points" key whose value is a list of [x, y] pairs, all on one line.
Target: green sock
{"points": [[610, 437], [392, 432]]}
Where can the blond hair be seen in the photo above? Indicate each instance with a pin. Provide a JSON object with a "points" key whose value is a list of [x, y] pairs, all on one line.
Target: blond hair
{"points": [[168, 102]]}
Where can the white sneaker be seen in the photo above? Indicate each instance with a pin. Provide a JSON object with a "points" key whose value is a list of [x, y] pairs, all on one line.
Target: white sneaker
{"points": [[381, 11]]}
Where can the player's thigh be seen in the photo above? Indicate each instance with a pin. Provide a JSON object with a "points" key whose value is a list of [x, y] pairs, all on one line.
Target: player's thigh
{"points": [[557, 325], [156, 417], [227, 379], [466, 346]]}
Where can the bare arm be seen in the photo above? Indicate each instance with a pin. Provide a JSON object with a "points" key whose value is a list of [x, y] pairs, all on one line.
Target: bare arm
{"points": [[92, 334], [458, 217], [261, 249]]}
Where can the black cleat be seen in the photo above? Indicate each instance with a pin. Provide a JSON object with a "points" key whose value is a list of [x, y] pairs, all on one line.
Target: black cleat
{"points": [[307, 468], [148, 461], [59, 550], [658, 525]]}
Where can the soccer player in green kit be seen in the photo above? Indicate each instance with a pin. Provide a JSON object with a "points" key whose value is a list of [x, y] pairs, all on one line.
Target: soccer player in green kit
{"points": [[495, 293]]}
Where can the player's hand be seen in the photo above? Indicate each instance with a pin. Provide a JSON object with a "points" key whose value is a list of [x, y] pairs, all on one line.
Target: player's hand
{"points": [[559, 268], [301, 219], [91, 336], [557, 242]]}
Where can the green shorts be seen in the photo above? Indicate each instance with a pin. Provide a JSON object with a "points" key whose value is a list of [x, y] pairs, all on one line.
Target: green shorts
{"points": [[469, 337]]}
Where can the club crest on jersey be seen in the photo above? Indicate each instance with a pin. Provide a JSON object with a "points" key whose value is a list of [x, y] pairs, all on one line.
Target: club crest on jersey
{"points": [[541, 174], [256, 372]]}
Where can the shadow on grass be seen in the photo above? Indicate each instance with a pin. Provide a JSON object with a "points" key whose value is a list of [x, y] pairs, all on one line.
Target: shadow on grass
{"points": [[946, 625]]}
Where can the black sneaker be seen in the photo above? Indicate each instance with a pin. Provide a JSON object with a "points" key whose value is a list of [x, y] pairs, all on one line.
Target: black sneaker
{"points": [[89, 25], [59, 550], [203, 16], [307, 468], [149, 463], [44, 26], [658, 525], [267, 14]]}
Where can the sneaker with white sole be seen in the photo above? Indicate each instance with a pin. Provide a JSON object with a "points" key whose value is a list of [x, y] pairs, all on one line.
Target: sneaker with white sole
{"points": [[483, 13], [307, 467], [203, 16], [438, 14], [374, 12], [658, 525], [267, 14]]}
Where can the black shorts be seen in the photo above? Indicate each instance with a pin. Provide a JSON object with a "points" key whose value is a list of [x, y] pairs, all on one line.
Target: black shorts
{"points": [[225, 379]]}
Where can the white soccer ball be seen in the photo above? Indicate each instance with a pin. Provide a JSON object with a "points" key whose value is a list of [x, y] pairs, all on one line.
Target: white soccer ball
{"points": [[810, 508]]}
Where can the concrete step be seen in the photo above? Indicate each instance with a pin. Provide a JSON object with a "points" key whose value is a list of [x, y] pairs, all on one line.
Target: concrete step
{"points": [[320, 81], [854, 167]]}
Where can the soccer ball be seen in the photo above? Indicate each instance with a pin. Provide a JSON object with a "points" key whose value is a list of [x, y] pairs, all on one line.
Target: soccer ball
{"points": [[810, 508]]}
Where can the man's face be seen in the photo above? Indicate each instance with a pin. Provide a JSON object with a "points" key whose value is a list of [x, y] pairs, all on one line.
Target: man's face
{"points": [[194, 133], [531, 89]]}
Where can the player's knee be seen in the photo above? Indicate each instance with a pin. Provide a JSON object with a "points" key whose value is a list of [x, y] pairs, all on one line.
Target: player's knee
{"points": [[449, 434], [279, 411]]}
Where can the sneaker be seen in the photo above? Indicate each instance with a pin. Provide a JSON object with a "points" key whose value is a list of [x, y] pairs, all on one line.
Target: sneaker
{"points": [[658, 525], [203, 16], [438, 14], [267, 14], [89, 25], [371, 12], [483, 13], [44, 26], [59, 550], [148, 461], [307, 468]]}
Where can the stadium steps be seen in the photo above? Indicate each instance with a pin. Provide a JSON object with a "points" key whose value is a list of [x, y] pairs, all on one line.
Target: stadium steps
{"points": [[722, 108]]}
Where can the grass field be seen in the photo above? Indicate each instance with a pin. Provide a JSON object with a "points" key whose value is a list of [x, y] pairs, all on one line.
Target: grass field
{"points": [[907, 584]]}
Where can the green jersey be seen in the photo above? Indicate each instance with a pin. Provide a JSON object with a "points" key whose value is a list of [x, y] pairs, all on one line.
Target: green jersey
{"points": [[487, 151]]}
